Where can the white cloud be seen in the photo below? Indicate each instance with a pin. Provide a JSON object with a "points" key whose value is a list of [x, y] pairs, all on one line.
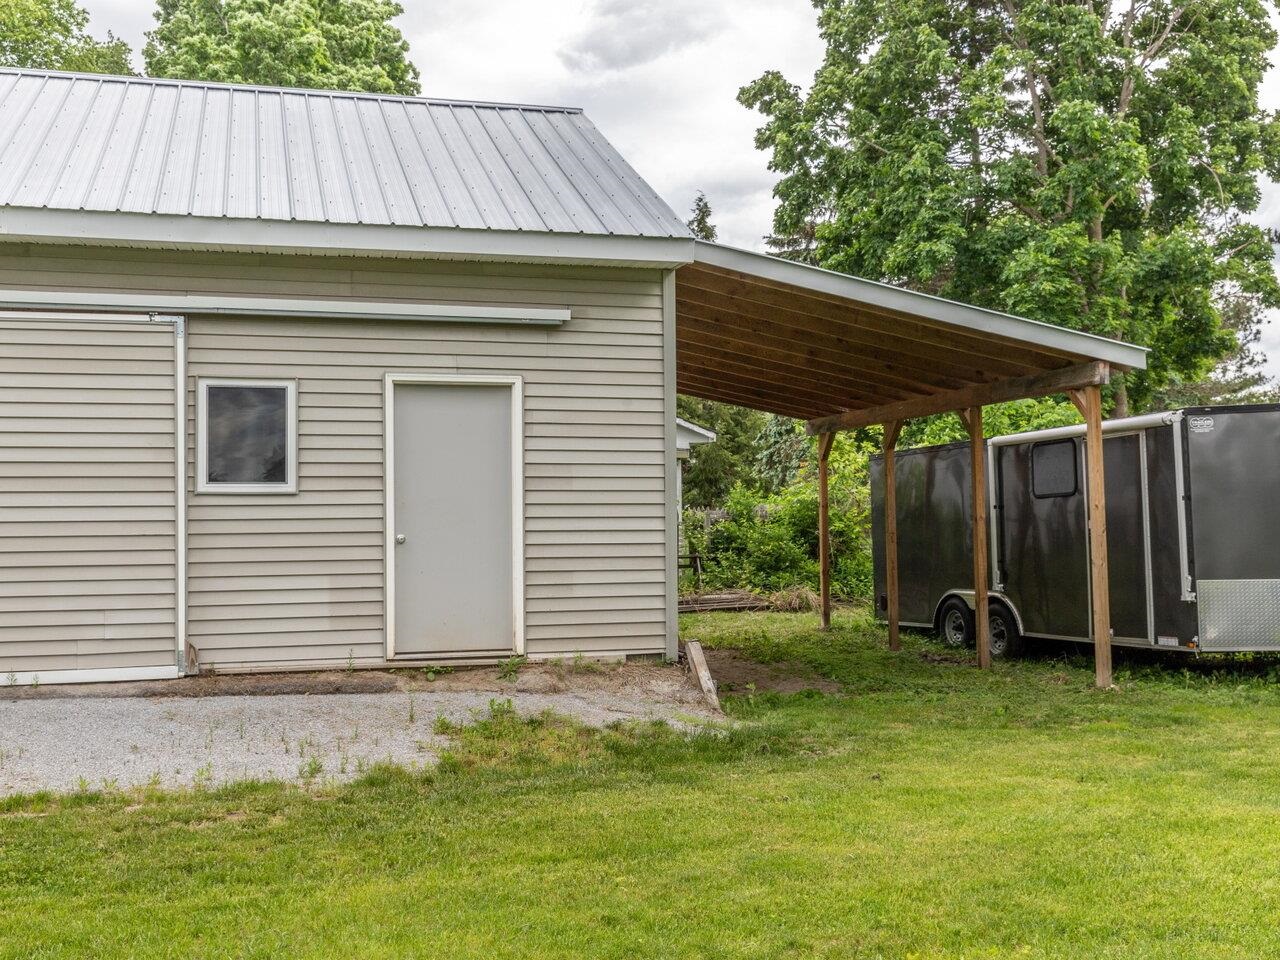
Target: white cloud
{"points": [[619, 34]]}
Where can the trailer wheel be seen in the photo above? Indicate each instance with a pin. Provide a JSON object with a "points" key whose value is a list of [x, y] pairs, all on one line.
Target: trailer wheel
{"points": [[955, 623], [1006, 641]]}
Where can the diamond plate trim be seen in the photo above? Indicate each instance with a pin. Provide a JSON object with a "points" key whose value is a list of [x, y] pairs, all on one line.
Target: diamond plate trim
{"points": [[1237, 614]]}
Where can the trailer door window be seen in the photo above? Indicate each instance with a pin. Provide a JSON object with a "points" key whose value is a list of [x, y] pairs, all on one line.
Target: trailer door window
{"points": [[1053, 469]]}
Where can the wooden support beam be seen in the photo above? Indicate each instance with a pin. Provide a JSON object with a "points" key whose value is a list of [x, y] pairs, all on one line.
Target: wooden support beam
{"points": [[978, 503], [891, 431], [824, 528], [1089, 402], [1019, 388]]}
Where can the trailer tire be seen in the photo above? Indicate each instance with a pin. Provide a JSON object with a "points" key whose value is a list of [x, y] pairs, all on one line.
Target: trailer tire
{"points": [[955, 623], [1006, 639]]}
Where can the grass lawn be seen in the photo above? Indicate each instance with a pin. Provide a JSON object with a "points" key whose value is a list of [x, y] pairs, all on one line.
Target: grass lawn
{"points": [[930, 811]]}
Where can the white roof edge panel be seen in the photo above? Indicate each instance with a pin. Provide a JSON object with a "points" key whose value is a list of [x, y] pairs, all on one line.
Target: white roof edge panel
{"points": [[699, 434], [216, 85], [95, 228], [952, 312]]}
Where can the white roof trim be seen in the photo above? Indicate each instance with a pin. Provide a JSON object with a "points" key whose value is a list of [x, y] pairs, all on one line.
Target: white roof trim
{"points": [[97, 228], [920, 304], [302, 91], [147, 303]]}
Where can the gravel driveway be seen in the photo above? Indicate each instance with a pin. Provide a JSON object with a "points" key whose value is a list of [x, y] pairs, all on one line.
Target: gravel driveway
{"points": [[73, 741]]}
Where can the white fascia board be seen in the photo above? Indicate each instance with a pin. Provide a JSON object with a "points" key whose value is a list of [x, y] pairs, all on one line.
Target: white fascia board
{"points": [[1032, 332], [98, 228], [196, 303]]}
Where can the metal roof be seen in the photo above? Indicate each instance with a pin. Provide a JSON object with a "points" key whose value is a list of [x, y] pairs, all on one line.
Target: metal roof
{"points": [[80, 142]]}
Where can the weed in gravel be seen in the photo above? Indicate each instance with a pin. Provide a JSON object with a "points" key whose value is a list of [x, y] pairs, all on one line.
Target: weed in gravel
{"points": [[509, 669], [311, 768], [413, 715]]}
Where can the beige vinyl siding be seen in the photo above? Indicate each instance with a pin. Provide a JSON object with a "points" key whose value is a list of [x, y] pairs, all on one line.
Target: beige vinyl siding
{"points": [[87, 496], [284, 580]]}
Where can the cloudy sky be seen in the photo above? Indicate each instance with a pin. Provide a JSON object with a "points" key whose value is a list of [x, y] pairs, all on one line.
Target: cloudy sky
{"points": [[659, 77]]}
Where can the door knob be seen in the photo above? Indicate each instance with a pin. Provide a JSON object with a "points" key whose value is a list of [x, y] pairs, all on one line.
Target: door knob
{"points": [[399, 538]]}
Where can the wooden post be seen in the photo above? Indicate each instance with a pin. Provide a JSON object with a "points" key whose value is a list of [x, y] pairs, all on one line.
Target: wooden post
{"points": [[1089, 402], [891, 431], [824, 528], [978, 502]]}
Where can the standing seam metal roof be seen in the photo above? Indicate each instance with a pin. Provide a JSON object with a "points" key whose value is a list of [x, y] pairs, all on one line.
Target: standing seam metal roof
{"points": [[143, 145]]}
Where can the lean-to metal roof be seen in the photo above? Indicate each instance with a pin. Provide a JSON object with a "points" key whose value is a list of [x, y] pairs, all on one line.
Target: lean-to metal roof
{"points": [[75, 142]]}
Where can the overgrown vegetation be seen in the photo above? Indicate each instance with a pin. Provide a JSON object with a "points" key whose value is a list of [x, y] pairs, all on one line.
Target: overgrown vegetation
{"points": [[768, 543], [930, 810]]}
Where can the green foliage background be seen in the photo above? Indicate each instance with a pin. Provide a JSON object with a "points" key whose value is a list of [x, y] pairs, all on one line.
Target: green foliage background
{"points": [[330, 44], [53, 35]]}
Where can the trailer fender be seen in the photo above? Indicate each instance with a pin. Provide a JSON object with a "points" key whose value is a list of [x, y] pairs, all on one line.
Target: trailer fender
{"points": [[967, 597]]}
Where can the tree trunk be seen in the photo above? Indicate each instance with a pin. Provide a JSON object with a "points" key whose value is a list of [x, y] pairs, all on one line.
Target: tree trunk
{"points": [[1120, 392]]}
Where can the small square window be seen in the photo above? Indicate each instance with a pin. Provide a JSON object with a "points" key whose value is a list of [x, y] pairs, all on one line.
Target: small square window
{"points": [[246, 436], [1053, 469]]}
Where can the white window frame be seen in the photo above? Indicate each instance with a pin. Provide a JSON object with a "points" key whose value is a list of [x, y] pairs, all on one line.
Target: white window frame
{"points": [[202, 437]]}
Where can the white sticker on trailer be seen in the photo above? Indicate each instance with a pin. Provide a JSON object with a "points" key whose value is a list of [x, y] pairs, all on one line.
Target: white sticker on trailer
{"points": [[1167, 641], [1200, 424]]}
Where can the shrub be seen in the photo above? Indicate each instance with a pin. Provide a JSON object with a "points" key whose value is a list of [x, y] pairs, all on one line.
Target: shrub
{"points": [[770, 543]]}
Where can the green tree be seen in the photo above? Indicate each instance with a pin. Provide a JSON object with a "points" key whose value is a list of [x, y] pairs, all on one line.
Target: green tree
{"points": [[781, 449], [700, 224], [53, 35], [713, 469], [330, 44], [1080, 162], [1240, 377]]}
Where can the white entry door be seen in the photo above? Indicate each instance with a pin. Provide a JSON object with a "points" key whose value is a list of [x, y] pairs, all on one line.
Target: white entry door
{"points": [[454, 516]]}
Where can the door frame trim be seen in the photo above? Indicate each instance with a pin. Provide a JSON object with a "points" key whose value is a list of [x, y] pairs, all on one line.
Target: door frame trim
{"points": [[516, 384]]}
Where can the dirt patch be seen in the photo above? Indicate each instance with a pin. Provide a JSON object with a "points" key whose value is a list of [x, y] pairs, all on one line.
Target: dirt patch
{"points": [[646, 680], [736, 673]]}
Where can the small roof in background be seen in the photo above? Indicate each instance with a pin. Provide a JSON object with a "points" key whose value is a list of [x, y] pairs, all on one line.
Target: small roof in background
{"points": [[689, 434], [77, 142]]}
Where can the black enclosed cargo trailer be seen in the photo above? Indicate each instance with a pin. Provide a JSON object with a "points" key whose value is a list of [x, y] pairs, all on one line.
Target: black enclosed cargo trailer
{"points": [[1193, 533]]}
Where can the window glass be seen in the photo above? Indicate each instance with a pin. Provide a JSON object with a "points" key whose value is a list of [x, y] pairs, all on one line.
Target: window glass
{"points": [[247, 434], [1053, 468]]}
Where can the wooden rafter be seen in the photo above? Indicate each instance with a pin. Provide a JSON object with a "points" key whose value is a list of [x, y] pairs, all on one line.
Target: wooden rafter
{"points": [[1019, 388], [693, 334], [901, 343], [752, 293], [707, 355]]}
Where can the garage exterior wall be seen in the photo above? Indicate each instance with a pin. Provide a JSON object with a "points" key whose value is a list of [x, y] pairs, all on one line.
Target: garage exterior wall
{"points": [[299, 579], [88, 502]]}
